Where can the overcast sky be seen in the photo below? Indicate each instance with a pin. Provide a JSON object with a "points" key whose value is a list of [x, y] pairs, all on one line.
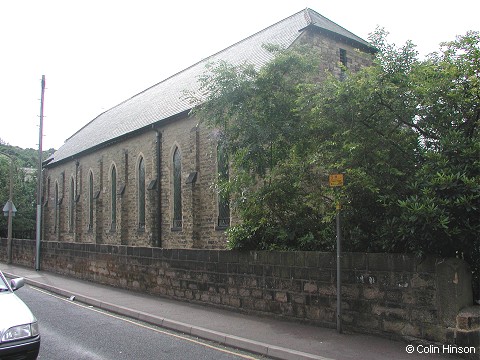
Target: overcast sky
{"points": [[97, 53]]}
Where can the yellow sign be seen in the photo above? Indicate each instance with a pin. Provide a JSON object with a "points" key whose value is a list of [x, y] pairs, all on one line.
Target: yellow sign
{"points": [[335, 180]]}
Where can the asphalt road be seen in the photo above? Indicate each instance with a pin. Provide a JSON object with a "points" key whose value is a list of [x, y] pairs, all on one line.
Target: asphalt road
{"points": [[71, 330]]}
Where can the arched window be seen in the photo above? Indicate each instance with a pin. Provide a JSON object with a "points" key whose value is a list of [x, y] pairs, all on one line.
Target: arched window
{"points": [[223, 176], [141, 193], [71, 206], [48, 190], [177, 189], [90, 201], [56, 213], [113, 202]]}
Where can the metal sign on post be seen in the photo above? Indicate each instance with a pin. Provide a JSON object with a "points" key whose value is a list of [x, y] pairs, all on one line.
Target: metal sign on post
{"points": [[336, 180]]}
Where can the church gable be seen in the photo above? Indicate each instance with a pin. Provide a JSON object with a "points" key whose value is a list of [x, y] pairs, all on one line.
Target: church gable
{"points": [[141, 173], [165, 99]]}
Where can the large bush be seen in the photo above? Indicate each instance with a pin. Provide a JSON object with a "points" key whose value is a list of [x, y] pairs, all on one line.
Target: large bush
{"points": [[404, 132]]}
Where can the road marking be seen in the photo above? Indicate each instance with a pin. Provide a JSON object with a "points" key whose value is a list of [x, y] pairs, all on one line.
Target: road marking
{"points": [[100, 311]]}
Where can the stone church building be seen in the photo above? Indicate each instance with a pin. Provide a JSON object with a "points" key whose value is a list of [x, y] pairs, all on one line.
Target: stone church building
{"points": [[141, 173]]}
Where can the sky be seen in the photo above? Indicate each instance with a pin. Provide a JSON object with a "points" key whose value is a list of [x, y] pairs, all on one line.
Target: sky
{"points": [[97, 53]]}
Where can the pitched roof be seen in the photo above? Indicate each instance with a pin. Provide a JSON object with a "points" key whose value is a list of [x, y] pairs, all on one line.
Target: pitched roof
{"points": [[166, 98]]}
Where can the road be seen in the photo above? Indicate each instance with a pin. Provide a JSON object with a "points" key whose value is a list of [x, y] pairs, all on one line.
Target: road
{"points": [[71, 330]]}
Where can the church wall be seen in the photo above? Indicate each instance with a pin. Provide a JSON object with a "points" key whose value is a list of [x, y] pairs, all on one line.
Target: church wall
{"points": [[199, 202], [70, 218], [329, 50]]}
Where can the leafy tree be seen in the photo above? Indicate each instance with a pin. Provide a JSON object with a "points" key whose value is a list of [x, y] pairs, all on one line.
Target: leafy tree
{"points": [[405, 132], [24, 188], [413, 159], [254, 114]]}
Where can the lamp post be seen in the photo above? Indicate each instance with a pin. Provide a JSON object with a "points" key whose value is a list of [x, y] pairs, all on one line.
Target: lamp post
{"points": [[9, 210]]}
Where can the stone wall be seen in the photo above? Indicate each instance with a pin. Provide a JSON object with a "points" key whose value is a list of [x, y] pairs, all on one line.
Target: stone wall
{"points": [[392, 295], [66, 216]]}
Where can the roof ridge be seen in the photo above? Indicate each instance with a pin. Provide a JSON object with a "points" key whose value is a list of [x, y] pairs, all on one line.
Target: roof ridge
{"points": [[306, 14], [164, 99], [351, 34], [184, 70]]}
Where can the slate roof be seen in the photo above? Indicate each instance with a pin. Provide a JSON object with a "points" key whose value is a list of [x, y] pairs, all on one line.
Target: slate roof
{"points": [[166, 99]]}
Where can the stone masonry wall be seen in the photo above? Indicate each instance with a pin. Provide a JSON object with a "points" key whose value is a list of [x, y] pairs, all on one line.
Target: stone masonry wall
{"points": [[68, 218], [392, 295]]}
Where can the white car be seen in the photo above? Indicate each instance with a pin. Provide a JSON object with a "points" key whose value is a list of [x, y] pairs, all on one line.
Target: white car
{"points": [[19, 335]]}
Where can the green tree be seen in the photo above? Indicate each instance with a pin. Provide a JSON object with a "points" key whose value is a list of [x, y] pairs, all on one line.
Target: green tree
{"points": [[24, 188], [404, 132], [407, 136], [271, 185]]}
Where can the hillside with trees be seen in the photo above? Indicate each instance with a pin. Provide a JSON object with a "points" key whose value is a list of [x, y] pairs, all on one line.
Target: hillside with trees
{"points": [[25, 163]]}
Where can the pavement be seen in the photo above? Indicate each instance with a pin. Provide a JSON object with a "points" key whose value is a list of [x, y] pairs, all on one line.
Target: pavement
{"points": [[266, 336]]}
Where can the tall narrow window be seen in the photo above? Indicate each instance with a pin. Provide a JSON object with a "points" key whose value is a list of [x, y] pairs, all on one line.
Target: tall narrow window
{"points": [[56, 213], [343, 57], [114, 198], [343, 62], [71, 205], [177, 189], [90, 201], [48, 189], [223, 176], [141, 194]]}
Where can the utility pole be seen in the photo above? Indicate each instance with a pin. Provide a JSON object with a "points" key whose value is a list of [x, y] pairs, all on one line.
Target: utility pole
{"points": [[9, 210], [339, 270], [39, 180], [10, 216], [336, 181]]}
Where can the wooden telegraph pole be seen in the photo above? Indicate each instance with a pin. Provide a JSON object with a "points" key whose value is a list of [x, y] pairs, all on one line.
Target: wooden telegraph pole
{"points": [[39, 180]]}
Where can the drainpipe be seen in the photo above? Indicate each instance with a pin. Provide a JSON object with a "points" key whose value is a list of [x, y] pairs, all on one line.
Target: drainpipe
{"points": [[159, 185]]}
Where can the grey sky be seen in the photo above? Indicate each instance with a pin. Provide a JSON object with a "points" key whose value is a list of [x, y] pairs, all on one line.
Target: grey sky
{"points": [[97, 53]]}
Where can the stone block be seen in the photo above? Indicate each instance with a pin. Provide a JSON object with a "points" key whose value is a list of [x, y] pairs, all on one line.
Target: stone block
{"points": [[425, 316], [322, 275], [469, 318], [310, 287], [327, 260], [434, 332], [281, 296], [311, 260], [393, 327], [354, 261], [422, 281], [453, 289], [426, 264], [468, 338], [350, 291], [228, 257], [244, 292], [257, 293], [299, 259], [372, 293], [390, 262]]}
